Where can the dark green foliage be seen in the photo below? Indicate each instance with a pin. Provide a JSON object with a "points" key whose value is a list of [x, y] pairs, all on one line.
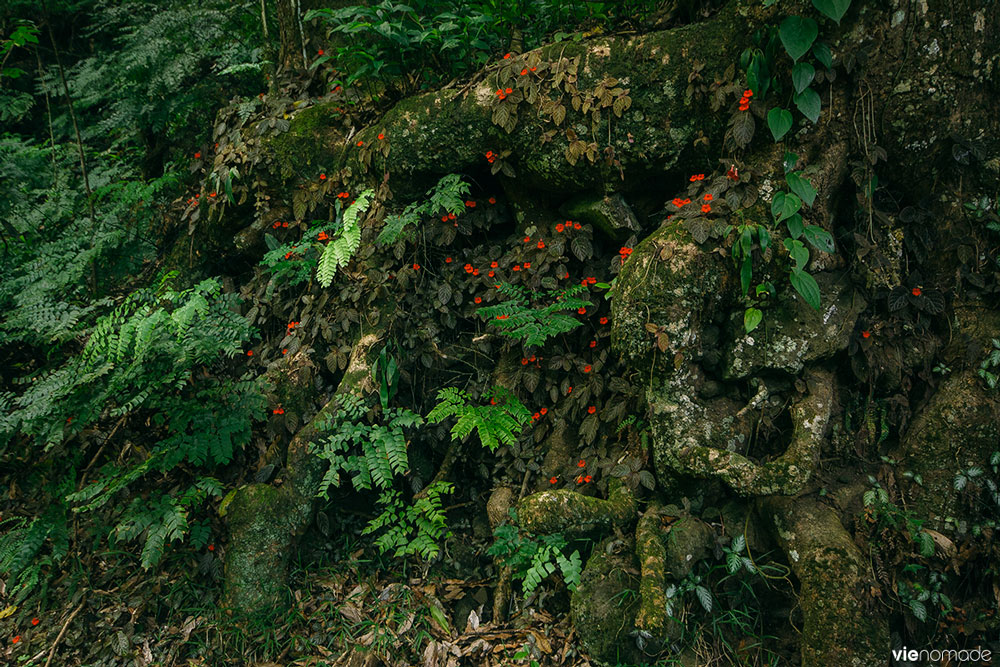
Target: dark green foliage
{"points": [[534, 317]]}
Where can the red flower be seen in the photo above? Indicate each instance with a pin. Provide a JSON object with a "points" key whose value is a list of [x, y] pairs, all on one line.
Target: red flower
{"points": [[566, 276], [509, 91], [197, 155], [491, 274], [470, 204], [211, 547], [416, 267], [447, 260], [320, 52], [533, 69], [212, 195], [506, 56], [536, 416], [678, 202], [322, 177], [916, 291], [706, 208], [527, 239], [524, 71], [494, 265], [478, 299], [322, 236], [708, 196], [360, 142], [569, 390], [517, 267], [544, 411], [581, 464], [16, 639], [747, 93], [492, 200], [527, 265], [249, 353], [698, 177], [593, 344], [553, 480], [592, 409], [559, 227], [603, 320], [468, 268], [592, 280], [588, 479], [35, 621], [745, 107], [284, 351], [582, 310], [475, 272], [579, 480], [866, 333], [285, 225], [493, 401], [532, 358], [577, 226], [541, 244], [586, 369], [381, 136]]}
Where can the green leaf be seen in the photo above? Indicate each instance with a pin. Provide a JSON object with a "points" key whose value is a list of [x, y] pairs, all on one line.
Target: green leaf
{"points": [[746, 273], [765, 238], [797, 35], [819, 238], [799, 254], [789, 161], [802, 75], [784, 205], [806, 285], [752, 317], [802, 187], [834, 9], [794, 224], [779, 121], [821, 51], [809, 104]]}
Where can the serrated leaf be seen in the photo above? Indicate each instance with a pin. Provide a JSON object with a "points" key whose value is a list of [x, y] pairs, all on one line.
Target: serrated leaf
{"points": [[743, 128], [809, 103], [779, 121]]}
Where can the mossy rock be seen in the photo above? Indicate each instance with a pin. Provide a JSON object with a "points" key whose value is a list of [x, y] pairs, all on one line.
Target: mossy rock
{"points": [[610, 214], [604, 605], [690, 540]]}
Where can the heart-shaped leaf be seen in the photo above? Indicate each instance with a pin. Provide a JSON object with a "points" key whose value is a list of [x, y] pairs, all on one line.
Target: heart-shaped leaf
{"points": [[779, 121], [784, 206], [797, 35], [809, 104], [802, 188], [822, 52], [751, 318], [802, 75], [794, 224], [806, 285], [834, 9], [819, 238]]}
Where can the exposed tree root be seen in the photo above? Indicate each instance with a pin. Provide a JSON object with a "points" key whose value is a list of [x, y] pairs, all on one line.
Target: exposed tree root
{"points": [[564, 510], [265, 520], [840, 625]]}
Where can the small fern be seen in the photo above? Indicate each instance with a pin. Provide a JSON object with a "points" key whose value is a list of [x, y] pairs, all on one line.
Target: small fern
{"points": [[448, 195], [533, 558], [496, 424], [342, 247], [534, 324]]}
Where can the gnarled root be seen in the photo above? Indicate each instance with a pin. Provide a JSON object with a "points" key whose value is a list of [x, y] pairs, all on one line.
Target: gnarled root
{"points": [[564, 510], [652, 618], [789, 473], [840, 627], [265, 520]]}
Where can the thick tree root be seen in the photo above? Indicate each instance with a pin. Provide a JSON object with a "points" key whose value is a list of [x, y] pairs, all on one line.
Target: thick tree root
{"points": [[265, 520], [840, 626], [564, 510], [789, 473], [652, 618]]}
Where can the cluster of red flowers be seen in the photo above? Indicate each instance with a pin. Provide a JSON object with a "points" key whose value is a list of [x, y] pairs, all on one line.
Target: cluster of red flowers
{"points": [[323, 236], [343, 195], [292, 325], [502, 93], [490, 156], [698, 177], [279, 411], [680, 203], [278, 223], [471, 204], [590, 280], [745, 100], [624, 253]]}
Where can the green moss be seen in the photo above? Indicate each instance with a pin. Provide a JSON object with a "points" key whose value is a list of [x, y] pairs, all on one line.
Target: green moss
{"points": [[562, 510]]}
